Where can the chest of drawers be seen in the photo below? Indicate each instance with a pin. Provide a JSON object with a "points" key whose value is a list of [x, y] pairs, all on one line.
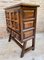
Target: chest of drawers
{"points": [[21, 24]]}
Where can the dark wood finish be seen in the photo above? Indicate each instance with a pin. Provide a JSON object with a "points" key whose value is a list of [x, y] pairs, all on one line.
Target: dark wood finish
{"points": [[21, 24], [23, 49]]}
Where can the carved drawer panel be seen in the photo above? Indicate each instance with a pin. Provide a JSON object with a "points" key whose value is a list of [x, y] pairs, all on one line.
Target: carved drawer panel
{"points": [[17, 36], [28, 14], [28, 24], [13, 25], [16, 26], [28, 34], [13, 15]]}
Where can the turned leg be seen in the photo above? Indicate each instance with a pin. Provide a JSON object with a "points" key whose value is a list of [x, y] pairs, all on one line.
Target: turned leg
{"points": [[23, 49], [33, 43], [9, 37]]}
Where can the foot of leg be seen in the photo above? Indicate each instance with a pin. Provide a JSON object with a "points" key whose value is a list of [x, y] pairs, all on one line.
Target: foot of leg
{"points": [[33, 43], [23, 49]]}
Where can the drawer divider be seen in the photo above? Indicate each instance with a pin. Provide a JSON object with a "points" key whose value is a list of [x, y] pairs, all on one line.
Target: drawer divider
{"points": [[28, 29]]}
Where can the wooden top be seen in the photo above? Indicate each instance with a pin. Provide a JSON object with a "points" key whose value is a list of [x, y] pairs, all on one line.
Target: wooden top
{"points": [[22, 4]]}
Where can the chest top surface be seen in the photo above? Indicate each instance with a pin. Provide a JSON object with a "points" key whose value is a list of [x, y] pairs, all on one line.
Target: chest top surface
{"points": [[22, 5]]}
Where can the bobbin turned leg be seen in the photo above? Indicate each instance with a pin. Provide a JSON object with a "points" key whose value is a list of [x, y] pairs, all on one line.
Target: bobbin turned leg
{"points": [[23, 49], [33, 43], [9, 38]]}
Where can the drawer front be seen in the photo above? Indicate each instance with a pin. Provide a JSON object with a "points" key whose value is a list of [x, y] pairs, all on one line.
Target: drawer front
{"points": [[17, 36], [28, 24], [28, 14], [28, 34]]}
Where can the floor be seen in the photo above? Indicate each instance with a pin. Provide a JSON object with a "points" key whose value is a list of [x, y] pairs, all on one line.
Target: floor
{"points": [[11, 51]]}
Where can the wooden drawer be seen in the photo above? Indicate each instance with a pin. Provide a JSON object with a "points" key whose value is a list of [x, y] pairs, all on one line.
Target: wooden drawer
{"points": [[28, 14], [17, 36], [28, 24], [28, 34]]}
